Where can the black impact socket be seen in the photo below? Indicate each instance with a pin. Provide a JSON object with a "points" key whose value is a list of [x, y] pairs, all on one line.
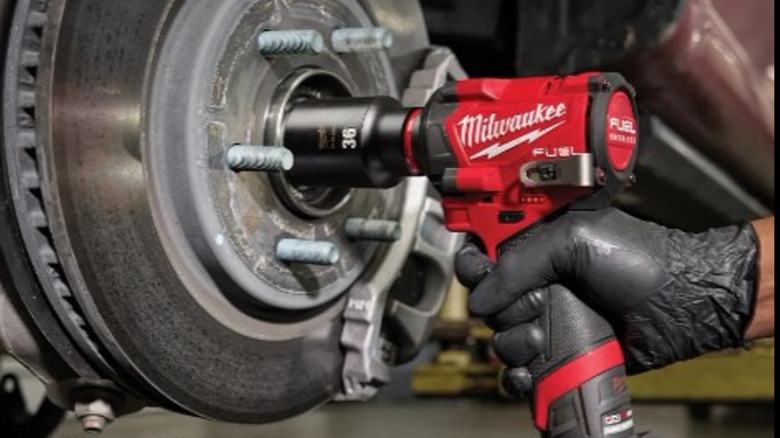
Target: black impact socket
{"points": [[347, 142]]}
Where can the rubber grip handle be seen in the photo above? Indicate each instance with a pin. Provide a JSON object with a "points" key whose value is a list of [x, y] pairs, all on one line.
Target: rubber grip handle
{"points": [[579, 380]]}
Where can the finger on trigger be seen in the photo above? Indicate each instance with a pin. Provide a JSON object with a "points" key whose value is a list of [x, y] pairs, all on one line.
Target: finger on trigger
{"points": [[514, 275], [472, 266]]}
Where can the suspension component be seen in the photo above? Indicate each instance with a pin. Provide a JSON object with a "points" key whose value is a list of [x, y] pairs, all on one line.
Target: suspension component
{"points": [[95, 415]]}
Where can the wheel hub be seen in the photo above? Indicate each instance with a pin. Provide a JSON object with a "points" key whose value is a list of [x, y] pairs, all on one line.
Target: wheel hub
{"points": [[240, 217], [305, 84]]}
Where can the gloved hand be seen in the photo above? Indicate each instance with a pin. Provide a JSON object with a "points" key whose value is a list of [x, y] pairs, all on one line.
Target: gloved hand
{"points": [[669, 295]]}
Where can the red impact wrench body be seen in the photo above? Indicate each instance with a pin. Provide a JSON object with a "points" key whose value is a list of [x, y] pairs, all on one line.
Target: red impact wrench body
{"points": [[505, 154]]}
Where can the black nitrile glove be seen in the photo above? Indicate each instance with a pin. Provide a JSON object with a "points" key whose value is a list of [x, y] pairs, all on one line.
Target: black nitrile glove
{"points": [[668, 294]]}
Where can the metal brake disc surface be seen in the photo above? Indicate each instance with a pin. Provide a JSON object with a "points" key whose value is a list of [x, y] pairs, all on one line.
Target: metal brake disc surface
{"points": [[156, 258]]}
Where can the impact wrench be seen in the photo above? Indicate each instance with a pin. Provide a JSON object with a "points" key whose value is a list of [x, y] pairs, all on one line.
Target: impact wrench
{"points": [[505, 154]]}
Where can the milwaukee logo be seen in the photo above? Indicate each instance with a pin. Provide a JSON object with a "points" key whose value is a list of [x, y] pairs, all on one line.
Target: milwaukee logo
{"points": [[475, 130]]}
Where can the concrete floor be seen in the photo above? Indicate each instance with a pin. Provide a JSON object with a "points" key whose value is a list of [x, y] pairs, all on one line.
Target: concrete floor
{"points": [[398, 414], [428, 418]]}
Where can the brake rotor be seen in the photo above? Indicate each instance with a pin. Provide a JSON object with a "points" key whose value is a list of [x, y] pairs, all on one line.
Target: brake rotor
{"points": [[155, 256]]}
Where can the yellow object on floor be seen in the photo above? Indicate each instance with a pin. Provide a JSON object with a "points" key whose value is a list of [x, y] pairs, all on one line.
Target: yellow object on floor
{"points": [[456, 370], [733, 376]]}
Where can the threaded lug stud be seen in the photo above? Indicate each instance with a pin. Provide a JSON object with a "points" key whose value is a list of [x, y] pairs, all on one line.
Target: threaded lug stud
{"points": [[315, 252], [260, 158], [361, 39], [290, 42], [372, 229]]}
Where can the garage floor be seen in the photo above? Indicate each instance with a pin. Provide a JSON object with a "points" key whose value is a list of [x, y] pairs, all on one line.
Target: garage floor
{"points": [[429, 418], [398, 414]]}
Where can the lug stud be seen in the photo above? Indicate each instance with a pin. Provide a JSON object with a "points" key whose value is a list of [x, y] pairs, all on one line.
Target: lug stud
{"points": [[373, 229], [313, 252], [260, 158], [361, 39], [290, 42]]}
